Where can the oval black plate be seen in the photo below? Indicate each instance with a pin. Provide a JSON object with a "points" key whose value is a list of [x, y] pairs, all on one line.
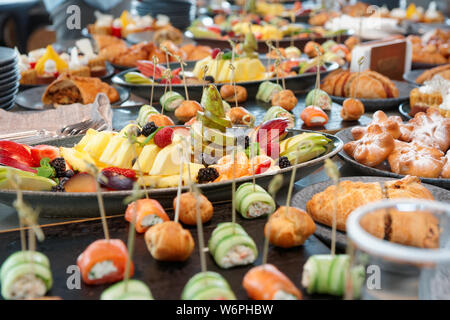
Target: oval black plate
{"points": [[85, 204], [31, 98], [421, 65], [412, 75], [297, 83], [383, 104], [383, 169], [323, 232]]}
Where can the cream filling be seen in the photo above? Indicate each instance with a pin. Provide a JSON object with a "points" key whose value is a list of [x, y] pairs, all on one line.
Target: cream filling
{"points": [[28, 286], [151, 220], [101, 269], [283, 295], [238, 256], [257, 209]]}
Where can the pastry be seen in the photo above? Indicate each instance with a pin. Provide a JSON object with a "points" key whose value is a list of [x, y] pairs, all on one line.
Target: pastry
{"points": [[187, 110], [351, 196], [446, 169], [168, 33], [329, 81], [417, 229], [289, 229], [366, 87], [168, 241], [389, 124], [431, 130], [373, 148], [443, 71], [188, 208], [408, 187], [239, 115], [285, 99], [311, 48], [352, 109], [232, 93], [416, 160], [69, 89]]}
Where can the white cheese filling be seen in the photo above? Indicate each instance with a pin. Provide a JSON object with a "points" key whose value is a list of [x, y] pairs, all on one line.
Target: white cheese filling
{"points": [[101, 269], [257, 209], [150, 220], [283, 295], [28, 286], [238, 256]]}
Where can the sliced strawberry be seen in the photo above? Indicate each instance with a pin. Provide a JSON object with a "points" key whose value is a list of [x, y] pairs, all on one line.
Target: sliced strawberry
{"points": [[124, 172], [263, 166], [17, 151], [43, 151], [148, 69], [215, 29]]}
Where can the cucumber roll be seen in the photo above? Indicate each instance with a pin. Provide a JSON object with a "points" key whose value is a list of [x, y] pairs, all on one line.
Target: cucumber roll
{"points": [[25, 275], [144, 112], [171, 100], [207, 286], [136, 290], [278, 112], [253, 201], [326, 274], [231, 246], [267, 90]]}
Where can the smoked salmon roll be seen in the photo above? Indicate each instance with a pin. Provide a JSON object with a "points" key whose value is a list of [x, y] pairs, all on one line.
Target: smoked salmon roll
{"points": [[104, 261], [148, 213], [266, 282], [314, 116]]}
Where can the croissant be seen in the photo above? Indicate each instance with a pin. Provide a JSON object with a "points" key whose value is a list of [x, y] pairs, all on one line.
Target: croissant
{"points": [[168, 241], [373, 148], [188, 208], [291, 229], [429, 74]]}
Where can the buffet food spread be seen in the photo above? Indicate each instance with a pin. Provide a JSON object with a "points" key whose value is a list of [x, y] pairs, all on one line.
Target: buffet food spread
{"points": [[196, 171]]}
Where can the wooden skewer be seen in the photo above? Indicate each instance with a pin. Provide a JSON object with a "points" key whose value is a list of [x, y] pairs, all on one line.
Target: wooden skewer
{"points": [[182, 64], [130, 247], [138, 164], [269, 47], [201, 238], [333, 172], [274, 186], [233, 192], [180, 182], [292, 181], [360, 62], [232, 68], [155, 62]]}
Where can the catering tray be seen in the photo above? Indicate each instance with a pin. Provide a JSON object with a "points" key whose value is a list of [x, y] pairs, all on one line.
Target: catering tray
{"points": [[323, 232], [296, 83], [382, 169], [64, 204]]}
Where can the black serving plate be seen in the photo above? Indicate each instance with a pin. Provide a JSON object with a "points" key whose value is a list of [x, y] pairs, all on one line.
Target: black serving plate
{"points": [[382, 169], [262, 46], [404, 89], [412, 75], [296, 83], [32, 98], [323, 232], [404, 110], [85, 204]]}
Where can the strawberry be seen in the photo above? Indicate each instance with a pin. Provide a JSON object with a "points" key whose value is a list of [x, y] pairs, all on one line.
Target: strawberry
{"points": [[43, 151], [16, 151], [163, 137], [215, 52], [124, 172], [263, 166]]}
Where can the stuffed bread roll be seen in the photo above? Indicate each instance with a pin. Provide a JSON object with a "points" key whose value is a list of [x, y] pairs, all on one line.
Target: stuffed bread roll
{"points": [[326, 274], [148, 213], [104, 261], [25, 275], [231, 246], [266, 282], [278, 112], [207, 286], [188, 208], [253, 201], [168, 241], [133, 290], [171, 100], [289, 229], [267, 90]]}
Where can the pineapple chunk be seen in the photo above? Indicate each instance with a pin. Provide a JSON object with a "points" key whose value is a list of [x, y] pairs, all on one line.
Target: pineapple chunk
{"points": [[97, 144], [124, 155], [91, 133], [167, 162], [147, 158], [77, 159], [111, 148]]}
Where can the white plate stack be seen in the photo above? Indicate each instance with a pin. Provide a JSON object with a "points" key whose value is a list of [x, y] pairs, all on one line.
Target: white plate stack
{"points": [[9, 77]]}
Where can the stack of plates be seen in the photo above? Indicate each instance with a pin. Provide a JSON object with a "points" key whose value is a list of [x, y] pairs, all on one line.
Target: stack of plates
{"points": [[9, 77], [180, 12]]}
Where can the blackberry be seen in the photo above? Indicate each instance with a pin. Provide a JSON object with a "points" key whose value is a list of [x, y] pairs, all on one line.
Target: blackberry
{"points": [[207, 175], [59, 164], [246, 142], [209, 79], [149, 128], [69, 174], [283, 162], [223, 32], [60, 186]]}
